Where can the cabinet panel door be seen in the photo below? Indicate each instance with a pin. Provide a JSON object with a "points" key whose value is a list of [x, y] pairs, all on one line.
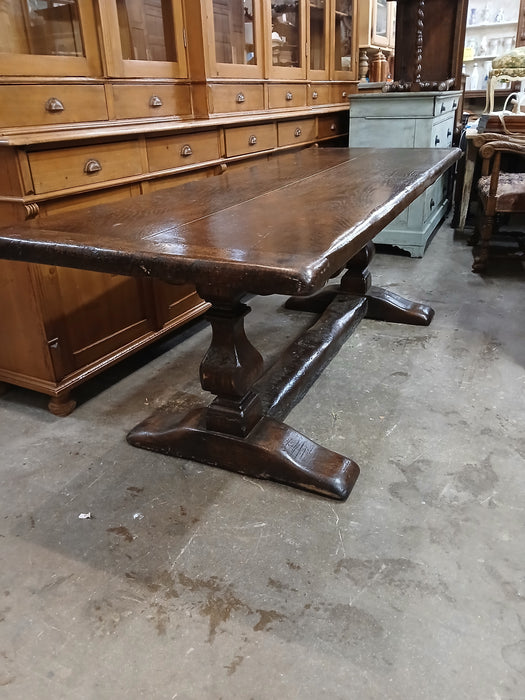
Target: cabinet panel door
{"points": [[89, 314]]}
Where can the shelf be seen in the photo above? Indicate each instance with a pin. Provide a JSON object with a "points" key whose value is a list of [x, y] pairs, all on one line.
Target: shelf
{"points": [[492, 25]]}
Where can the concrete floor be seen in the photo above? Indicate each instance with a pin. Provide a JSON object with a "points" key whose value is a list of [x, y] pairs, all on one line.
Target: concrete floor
{"points": [[193, 583]]}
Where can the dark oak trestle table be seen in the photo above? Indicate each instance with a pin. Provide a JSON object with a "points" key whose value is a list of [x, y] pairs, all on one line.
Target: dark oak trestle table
{"points": [[285, 224]]}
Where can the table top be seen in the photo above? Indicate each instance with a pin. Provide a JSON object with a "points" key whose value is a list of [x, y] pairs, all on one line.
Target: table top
{"points": [[278, 225]]}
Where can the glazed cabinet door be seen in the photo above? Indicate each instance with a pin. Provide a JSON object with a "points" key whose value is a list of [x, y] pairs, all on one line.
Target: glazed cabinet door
{"points": [[235, 38], [287, 40], [48, 38], [144, 38], [344, 40], [383, 18], [317, 48]]}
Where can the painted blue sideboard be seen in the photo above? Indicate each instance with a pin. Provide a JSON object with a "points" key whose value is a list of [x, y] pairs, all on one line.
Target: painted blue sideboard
{"points": [[408, 120]]}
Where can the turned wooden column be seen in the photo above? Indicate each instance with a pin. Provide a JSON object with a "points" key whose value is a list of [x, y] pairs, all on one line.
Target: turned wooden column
{"points": [[229, 370]]}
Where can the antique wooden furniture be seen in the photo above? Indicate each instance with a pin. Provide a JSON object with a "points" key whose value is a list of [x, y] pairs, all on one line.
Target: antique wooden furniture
{"points": [[285, 226], [408, 120], [376, 34], [499, 192], [106, 101], [430, 37]]}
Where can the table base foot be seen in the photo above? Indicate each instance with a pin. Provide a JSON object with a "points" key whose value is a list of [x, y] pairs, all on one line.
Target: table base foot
{"points": [[272, 450], [383, 305]]}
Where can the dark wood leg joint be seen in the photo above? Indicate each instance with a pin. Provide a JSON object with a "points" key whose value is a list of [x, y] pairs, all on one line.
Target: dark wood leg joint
{"points": [[383, 305], [241, 429]]}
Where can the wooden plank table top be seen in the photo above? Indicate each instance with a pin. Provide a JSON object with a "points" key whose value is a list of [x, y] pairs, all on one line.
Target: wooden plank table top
{"points": [[280, 225]]}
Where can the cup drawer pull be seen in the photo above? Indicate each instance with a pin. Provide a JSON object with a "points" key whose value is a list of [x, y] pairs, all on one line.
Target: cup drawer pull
{"points": [[54, 105], [186, 151], [155, 101], [92, 166], [437, 141]]}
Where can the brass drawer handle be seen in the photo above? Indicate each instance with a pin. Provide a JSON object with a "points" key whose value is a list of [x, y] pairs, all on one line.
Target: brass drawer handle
{"points": [[155, 101], [252, 140], [315, 95], [92, 166], [186, 151], [54, 105], [297, 132], [289, 96], [240, 98]]}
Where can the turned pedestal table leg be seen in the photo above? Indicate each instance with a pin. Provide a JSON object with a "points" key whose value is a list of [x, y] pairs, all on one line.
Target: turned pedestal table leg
{"points": [[383, 305], [233, 432]]}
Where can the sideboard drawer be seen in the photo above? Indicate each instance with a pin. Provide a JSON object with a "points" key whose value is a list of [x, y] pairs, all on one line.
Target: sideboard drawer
{"points": [[318, 95], [179, 150], [139, 101], [250, 139], [447, 103], [339, 93], [28, 105], [442, 134], [296, 131], [236, 98], [286, 95], [63, 168], [332, 125]]}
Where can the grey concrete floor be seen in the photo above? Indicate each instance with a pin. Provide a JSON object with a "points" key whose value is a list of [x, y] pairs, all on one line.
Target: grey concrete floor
{"points": [[192, 583]]}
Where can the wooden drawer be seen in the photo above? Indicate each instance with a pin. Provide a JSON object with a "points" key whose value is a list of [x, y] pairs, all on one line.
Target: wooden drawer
{"points": [[236, 98], [63, 168], [286, 95], [296, 131], [250, 139], [442, 133], [139, 101], [27, 105], [339, 92], [181, 150], [332, 125], [447, 103], [318, 95]]}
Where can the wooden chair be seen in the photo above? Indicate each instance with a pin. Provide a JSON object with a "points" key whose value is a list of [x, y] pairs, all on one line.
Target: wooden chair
{"points": [[499, 191]]}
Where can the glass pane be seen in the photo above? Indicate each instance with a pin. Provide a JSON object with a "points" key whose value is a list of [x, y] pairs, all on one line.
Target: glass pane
{"points": [[317, 34], [40, 27], [286, 33], [234, 31], [146, 30], [343, 34], [381, 18]]}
